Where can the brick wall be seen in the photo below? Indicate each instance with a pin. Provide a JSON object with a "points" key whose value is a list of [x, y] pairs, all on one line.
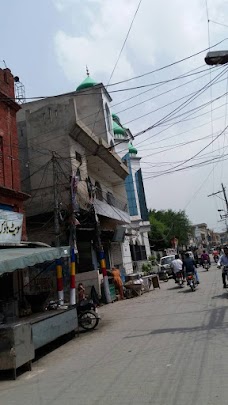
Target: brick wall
{"points": [[10, 174], [9, 156]]}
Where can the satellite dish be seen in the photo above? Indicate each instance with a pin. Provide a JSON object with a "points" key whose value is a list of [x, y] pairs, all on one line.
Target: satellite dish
{"points": [[16, 79]]}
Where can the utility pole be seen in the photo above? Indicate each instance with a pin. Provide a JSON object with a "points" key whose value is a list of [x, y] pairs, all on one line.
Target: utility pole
{"points": [[225, 197], [56, 200], [102, 258], [223, 217]]}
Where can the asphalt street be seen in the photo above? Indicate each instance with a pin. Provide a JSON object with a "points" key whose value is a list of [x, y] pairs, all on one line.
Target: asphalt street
{"points": [[166, 347]]}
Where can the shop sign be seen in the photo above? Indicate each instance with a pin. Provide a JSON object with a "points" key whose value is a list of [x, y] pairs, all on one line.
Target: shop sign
{"points": [[10, 227]]}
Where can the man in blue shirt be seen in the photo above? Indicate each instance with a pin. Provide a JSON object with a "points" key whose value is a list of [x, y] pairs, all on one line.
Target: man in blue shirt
{"points": [[223, 261], [190, 267]]}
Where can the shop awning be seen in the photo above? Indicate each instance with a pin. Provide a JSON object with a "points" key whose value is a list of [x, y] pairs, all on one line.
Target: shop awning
{"points": [[18, 258]]}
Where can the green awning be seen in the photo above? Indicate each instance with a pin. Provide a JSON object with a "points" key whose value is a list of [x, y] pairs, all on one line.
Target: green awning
{"points": [[18, 258]]}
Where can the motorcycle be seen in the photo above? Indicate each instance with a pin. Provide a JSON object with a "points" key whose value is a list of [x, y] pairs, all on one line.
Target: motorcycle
{"points": [[191, 281], [206, 265], [225, 271], [88, 317], [53, 305], [216, 259], [163, 275], [180, 279]]}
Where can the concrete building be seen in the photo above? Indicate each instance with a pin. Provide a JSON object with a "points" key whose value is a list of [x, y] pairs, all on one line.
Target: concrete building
{"points": [[95, 112], [201, 236], [58, 136], [11, 196], [137, 233]]}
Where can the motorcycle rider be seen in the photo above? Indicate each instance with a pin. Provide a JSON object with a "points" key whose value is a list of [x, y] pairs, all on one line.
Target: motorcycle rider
{"points": [[223, 261], [215, 255], [205, 258], [189, 266], [177, 266]]}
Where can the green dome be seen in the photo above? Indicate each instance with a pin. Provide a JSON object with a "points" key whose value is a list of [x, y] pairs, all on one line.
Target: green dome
{"points": [[87, 83], [117, 129], [132, 149], [115, 117]]}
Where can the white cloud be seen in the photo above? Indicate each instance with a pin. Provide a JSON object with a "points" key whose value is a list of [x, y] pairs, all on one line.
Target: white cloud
{"points": [[171, 29], [163, 32]]}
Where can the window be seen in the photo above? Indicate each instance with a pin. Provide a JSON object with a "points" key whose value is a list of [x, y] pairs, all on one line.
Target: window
{"points": [[141, 195], [111, 145], [110, 199], [78, 157], [78, 174], [1, 162], [98, 191], [108, 117]]}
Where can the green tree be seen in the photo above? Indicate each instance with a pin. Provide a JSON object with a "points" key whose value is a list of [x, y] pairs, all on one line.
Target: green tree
{"points": [[166, 224]]}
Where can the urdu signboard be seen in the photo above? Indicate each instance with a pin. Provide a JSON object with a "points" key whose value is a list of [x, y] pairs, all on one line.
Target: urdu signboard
{"points": [[10, 227]]}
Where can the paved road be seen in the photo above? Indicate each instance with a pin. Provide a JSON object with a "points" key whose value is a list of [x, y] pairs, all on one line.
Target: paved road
{"points": [[166, 347]]}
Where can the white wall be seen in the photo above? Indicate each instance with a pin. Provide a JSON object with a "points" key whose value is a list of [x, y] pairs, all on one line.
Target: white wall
{"points": [[110, 135], [89, 279], [126, 253], [147, 244]]}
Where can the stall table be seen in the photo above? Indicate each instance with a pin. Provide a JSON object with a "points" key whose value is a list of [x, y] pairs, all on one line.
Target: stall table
{"points": [[20, 339]]}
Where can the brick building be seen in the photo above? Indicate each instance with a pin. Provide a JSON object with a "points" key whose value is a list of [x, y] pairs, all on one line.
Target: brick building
{"points": [[11, 196]]}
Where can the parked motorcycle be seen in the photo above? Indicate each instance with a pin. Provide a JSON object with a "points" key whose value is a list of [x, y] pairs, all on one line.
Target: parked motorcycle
{"points": [[53, 305], [88, 317], [191, 281], [180, 279], [206, 265]]}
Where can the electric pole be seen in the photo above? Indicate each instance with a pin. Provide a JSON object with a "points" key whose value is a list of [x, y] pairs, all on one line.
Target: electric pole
{"points": [[56, 200], [225, 198], [223, 217]]}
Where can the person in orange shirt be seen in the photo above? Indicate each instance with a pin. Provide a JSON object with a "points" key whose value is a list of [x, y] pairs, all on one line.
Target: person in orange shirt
{"points": [[117, 281]]}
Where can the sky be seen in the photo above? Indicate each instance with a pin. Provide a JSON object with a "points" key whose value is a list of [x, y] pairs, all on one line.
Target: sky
{"points": [[48, 43]]}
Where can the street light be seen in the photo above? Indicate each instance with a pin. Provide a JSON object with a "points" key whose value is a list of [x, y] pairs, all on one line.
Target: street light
{"points": [[216, 58]]}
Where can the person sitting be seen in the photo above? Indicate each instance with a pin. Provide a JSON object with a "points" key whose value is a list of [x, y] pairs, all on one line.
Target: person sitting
{"points": [[190, 267], [205, 258], [177, 266], [81, 293]]}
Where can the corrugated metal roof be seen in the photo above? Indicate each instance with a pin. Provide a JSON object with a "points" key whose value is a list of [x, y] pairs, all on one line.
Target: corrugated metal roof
{"points": [[18, 258]]}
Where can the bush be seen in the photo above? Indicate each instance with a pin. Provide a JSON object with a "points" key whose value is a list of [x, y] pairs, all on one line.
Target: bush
{"points": [[147, 267]]}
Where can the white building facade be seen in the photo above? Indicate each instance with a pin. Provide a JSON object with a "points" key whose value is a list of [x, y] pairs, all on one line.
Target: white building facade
{"points": [[131, 248]]}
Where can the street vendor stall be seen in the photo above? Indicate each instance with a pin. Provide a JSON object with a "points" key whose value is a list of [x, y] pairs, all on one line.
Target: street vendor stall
{"points": [[28, 278]]}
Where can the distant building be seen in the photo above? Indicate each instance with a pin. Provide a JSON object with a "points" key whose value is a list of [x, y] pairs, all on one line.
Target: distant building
{"points": [[204, 237], [11, 196], [200, 235]]}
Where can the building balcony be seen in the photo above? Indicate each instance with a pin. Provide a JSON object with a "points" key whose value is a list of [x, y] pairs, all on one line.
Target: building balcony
{"points": [[109, 206]]}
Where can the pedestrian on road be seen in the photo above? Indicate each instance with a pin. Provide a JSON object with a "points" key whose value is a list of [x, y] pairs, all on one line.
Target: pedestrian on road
{"points": [[223, 261], [117, 281], [189, 266]]}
